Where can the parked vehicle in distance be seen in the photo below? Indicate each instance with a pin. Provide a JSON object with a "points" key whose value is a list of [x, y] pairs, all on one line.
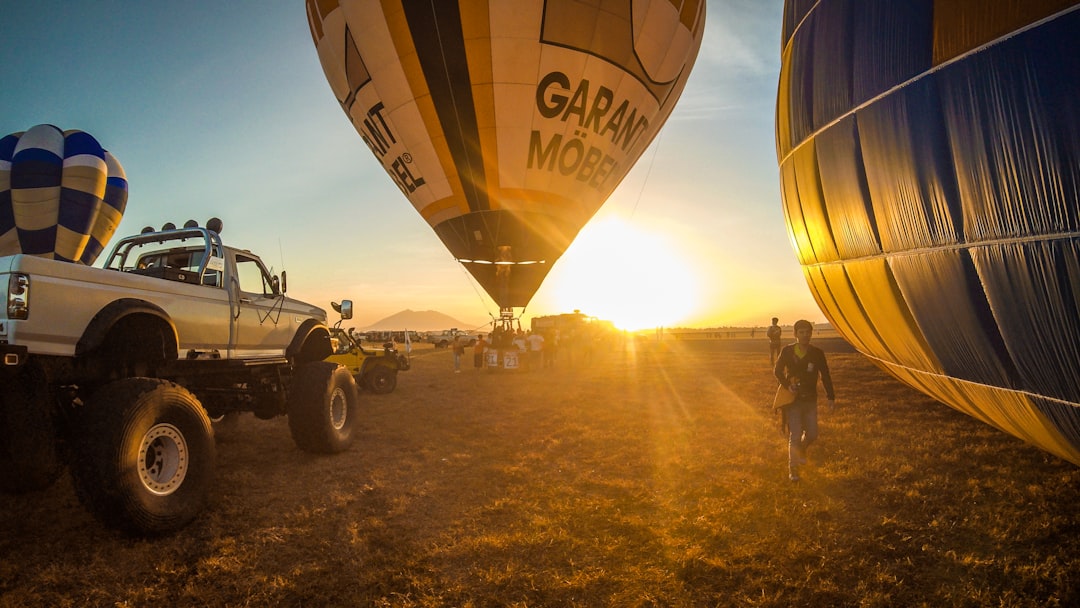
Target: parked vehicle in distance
{"points": [[380, 336], [445, 338]]}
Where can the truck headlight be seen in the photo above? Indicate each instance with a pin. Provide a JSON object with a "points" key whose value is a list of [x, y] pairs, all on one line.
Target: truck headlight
{"points": [[18, 299]]}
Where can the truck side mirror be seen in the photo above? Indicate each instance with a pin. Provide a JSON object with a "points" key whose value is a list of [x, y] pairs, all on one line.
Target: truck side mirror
{"points": [[346, 309], [284, 284]]}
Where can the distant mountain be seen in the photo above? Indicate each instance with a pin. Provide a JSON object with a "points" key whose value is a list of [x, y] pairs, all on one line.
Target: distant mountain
{"points": [[417, 320]]}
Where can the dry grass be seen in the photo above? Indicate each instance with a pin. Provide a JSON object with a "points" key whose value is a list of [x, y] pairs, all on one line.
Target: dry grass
{"points": [[650, 478]]}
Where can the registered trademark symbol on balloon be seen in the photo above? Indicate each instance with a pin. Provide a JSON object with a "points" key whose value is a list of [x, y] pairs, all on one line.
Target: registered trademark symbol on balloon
{"points": [[406, 157]]}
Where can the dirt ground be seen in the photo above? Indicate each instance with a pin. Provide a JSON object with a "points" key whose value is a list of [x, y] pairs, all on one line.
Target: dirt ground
{"points": [[647, 475]]}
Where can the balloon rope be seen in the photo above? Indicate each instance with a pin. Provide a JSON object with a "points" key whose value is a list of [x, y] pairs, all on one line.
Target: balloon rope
{"points": [[648, 172], [473, 282]]}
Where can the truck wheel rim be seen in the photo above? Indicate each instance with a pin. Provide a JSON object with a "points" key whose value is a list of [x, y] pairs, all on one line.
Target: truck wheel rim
{"points": [[163, 461], [339, 409]]}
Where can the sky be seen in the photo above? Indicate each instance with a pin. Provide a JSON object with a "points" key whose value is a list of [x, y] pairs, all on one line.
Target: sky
{"points": [[221, 109]]}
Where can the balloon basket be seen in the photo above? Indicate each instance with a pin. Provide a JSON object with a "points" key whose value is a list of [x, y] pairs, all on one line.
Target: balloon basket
{"points": [[507, 359]]}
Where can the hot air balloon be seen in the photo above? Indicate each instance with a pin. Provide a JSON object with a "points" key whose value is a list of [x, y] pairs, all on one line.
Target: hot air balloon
{"points": [[61, 194], [507, 123], [929, 156]]}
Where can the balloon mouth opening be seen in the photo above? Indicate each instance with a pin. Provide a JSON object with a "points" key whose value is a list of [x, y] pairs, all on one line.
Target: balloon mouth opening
{"points": [[501, 263]]}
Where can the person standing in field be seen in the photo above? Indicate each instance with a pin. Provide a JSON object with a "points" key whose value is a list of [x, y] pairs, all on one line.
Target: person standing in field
{"points": [[798, 367], [536, 349], [551, 348], [459, 351], [478, 353], [773, 334]]}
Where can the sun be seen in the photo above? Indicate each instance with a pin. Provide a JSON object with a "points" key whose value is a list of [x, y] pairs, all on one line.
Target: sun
{"points": [[618, 272]]}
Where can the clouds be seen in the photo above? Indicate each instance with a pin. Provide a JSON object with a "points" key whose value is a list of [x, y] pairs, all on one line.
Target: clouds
{"points": [[742, 39], [738, 65]]}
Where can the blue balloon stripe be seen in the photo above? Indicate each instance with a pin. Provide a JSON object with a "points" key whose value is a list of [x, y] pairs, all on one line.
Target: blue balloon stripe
{"points": [[893, 42], [37, 242], [77, 210], [35, 172], [37, 154], [116, 188], [9, 242], [7, 147], [7, 214], [92, 251], [79, 142], [116, 194]]}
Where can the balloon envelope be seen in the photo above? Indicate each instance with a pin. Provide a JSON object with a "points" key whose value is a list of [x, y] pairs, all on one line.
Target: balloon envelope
{"points": [[61, 194], [507, 123], [929, 156]]}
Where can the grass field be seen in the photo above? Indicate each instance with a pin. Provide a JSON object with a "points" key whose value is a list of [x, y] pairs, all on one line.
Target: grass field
{"points": [[652, 477]]}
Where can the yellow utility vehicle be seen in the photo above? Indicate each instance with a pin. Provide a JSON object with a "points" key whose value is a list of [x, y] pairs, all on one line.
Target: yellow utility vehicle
{"points": [[375, 370]]}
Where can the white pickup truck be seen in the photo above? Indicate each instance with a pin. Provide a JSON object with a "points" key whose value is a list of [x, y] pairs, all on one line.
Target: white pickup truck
{"points": [[118, 371], [445, 338]]}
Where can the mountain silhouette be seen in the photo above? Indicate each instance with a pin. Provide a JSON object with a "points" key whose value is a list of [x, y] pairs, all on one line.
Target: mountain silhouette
{"points": [[417, 320]]}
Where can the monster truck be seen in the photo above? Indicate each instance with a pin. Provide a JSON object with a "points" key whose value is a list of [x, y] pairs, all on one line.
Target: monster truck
{"points": [[116, 372], [374, 370]]}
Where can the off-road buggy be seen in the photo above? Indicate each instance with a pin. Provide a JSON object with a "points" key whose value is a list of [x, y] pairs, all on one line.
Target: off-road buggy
{"points": [[374, 369]]}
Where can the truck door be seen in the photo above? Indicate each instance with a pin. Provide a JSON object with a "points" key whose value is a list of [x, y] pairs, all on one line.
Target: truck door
{"points": [[260, 328]]}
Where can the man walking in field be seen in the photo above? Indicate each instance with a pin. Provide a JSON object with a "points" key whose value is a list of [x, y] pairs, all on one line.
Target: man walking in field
{"points": [[773, 334], [798, 367]]}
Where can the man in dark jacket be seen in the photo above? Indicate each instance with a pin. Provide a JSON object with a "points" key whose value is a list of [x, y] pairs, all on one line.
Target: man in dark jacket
{"points": [[798, 367], [773, 334]]}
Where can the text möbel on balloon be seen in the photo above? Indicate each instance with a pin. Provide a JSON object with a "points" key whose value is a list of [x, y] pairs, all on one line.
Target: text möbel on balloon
{"points": [[507, 123]]}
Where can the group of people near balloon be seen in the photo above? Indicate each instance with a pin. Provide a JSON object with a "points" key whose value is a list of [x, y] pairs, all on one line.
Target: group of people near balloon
{"points": [[531, 350], [526, 350]]}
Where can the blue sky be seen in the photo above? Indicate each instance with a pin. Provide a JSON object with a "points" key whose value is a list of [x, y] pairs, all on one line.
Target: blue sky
{"points": [[221, 109]]}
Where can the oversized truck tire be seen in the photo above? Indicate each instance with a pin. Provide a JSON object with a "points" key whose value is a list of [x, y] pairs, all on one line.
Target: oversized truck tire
{"points": [[381, 380], [29, 458], [144, 456], [323, 407]]}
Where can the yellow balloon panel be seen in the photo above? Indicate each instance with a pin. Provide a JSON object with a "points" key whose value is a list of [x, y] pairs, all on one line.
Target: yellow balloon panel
{"points": [[507, 123]]}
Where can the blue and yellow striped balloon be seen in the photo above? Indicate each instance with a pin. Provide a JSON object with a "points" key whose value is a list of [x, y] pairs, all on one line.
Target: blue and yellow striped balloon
{"points": [[929, 156], [61, 194]]}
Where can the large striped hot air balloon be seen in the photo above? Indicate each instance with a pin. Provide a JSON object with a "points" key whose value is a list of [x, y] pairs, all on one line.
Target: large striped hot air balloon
{"points": [[929, 155], [61, 194], [507, 123]]}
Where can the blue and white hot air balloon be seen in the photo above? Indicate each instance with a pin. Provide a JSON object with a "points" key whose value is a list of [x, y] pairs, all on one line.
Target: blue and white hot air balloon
{"points": [[61, 194]]}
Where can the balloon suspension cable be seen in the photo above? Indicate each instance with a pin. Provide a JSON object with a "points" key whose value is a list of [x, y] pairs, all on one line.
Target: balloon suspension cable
{"points": [[474, 283], [648, 172]]}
